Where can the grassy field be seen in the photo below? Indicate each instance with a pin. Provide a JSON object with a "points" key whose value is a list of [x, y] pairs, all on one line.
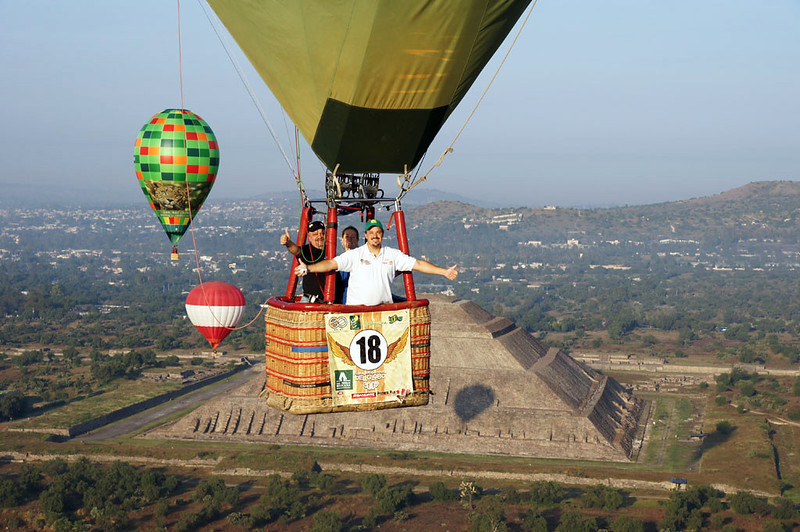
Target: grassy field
{"points": [[119, 394]]}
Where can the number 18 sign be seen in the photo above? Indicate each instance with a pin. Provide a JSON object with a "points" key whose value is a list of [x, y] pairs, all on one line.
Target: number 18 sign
{"points": [[369, 355]]}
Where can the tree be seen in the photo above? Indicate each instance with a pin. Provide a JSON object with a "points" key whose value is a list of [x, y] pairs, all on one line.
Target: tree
{"points": [[574, 521], [327, 521], [747, 389], [545, 492], [533, 521], [281, 498], [488, 515], [784, 509], [724, 427], [745, 503], [71, 354], [624, 523], [12, 405], [393, 498], [602, 496], [10, 495], [373, 483], [440, 492]]}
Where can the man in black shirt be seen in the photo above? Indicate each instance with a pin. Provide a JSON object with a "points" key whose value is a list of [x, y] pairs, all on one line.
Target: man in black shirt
{"points": [[314, 251]]}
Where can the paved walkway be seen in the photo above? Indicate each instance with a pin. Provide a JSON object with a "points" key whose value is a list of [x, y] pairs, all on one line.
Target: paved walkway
{"points": [[137, 421]]}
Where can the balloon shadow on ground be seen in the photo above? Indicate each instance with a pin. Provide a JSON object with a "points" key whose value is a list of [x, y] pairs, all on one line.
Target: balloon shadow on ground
{"points": [[472, 400], [711, 440]]}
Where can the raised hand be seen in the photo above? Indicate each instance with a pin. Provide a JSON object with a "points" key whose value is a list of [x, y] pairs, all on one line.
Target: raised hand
{"points": [[285, 238]]}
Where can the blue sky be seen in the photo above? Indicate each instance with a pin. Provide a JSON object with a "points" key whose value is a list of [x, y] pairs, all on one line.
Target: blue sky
{"points": [[600, 103]]}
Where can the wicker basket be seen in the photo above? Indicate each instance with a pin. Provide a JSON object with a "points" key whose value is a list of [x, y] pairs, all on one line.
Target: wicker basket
{"points": [[298, 377]]}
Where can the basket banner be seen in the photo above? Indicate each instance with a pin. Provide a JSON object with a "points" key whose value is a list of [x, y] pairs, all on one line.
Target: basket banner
{"points": [[369, 356]]}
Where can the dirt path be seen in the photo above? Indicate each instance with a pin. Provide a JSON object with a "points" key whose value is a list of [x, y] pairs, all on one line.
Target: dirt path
{"points": [[405, 472]]}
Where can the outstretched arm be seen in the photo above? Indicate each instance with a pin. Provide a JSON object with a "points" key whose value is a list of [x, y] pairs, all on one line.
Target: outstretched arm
{"points": [[423, 266], [318, 267], [286, 240]]}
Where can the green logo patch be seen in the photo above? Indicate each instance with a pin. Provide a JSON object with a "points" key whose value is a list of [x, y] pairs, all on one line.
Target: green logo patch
{"points": [[343, 379]]}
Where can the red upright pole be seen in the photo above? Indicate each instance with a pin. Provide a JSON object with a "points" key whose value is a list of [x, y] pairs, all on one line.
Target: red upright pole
{"points": [[402, 243], [302, 233], [330, 252]]}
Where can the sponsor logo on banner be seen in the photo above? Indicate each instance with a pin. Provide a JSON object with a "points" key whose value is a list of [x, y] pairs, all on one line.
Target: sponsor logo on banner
{"points": [[343, 379], [370, 364], [338, 322]]}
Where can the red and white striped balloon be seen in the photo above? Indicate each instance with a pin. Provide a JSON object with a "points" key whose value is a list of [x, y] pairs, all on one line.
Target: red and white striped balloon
{"points": [[215, 308]]}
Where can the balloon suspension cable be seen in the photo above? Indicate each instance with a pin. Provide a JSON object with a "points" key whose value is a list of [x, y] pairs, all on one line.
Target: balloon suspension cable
{"points": [[250, 90], [189, 195], [298, 176], [409, 184]]}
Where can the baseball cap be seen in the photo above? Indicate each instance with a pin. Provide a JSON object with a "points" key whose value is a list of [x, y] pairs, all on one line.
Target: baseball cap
{"points": [[373, 223], [315, 226]]}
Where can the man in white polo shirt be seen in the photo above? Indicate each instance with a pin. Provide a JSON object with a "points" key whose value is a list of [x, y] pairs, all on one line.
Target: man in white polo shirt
{"points": [[372, 268]]}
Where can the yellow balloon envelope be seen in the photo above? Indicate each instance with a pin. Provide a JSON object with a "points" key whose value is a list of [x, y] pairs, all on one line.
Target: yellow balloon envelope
{"points": [[369, 83]]}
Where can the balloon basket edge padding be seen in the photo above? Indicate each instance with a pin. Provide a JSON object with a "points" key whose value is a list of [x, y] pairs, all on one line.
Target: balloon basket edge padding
{"points": [[298, 381]]}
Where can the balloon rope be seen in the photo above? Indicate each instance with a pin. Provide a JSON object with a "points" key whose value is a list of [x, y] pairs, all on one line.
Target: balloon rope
{"points": [[188, 188], [250, 91], [449, 148], [189, 195]]}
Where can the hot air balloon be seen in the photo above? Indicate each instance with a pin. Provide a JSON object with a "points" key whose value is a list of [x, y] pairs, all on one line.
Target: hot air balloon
{"points": [[369, 84], [176, 158], [215, 308]]}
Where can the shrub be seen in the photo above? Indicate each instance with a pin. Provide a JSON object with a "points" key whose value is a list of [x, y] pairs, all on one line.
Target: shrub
{"points": [[747, 389], [9, 494], [724, 427], [441, 493], [601, 496], [717, 520], [324, 482], [281, 498], [625, 523], [745, 503], [12, 405], [327, 521], [773, 526], [784, 509], [394, 498], [373, 483], [488, 515], [533, 521], [545, 492], [512, 496], [574, 521]]}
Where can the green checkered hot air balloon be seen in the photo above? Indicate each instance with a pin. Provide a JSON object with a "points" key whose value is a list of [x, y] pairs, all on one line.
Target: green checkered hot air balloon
{"points": [[176, 158]]}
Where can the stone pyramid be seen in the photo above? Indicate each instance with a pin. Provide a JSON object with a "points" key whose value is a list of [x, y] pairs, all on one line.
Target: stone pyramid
{"points": [[497, 390]]}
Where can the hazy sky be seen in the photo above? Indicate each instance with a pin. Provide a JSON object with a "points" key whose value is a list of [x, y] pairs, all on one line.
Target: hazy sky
{"points": [[600, 103]]}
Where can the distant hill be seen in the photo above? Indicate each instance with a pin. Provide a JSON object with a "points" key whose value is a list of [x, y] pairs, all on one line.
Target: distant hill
{"points": [[762, 209], [417, 197]]}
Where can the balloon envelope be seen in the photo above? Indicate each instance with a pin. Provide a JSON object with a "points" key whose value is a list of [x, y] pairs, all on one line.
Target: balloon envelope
{"points": [[215, 308], [176, 158], [369, 83]]}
